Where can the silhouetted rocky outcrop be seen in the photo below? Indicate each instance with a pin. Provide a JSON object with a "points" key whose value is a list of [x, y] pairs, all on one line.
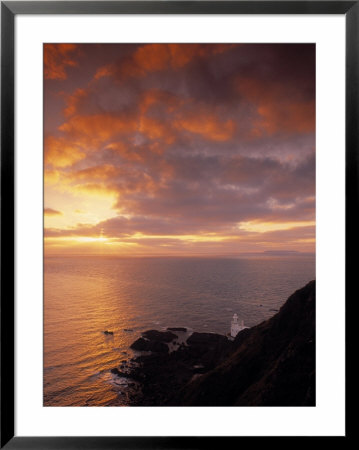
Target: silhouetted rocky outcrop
{"points": [[144, 345], [271, 364], [154, 341], [159, 336]]}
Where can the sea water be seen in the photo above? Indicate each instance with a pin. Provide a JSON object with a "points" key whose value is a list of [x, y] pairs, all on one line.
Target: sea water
{"points": [[85, 296]]}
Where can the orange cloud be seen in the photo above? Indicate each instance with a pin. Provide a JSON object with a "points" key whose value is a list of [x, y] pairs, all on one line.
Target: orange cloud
{"points": [[207, 125], [99, 189], [156, 57], [152, 58], [279, 107], [125, 151], [147, 58], [52, 212], [51, 176], [104, 71], [297, 117], [183, 54], [97, 128], [72, 101], [300, 238], [155, 97], [164, 147], [111, 181], [57, 58], [155, 130], [60, 152], [103, 172]]}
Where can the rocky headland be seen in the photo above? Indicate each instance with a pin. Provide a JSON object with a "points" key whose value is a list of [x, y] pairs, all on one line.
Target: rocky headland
{"points": [[271, 364]]}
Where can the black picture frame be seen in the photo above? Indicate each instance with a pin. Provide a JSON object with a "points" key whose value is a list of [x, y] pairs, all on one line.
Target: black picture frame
{"points": [[9, 10]]}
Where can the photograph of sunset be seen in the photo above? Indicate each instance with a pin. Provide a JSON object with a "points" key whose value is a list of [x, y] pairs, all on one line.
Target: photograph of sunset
{"points": [[179, 224]]}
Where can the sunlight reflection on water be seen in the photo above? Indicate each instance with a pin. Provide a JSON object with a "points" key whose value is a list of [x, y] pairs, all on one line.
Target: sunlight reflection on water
{"points": [[84, 296]]}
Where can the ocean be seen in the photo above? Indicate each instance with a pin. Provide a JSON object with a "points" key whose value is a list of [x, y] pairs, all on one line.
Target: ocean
{"points": [[84, 296]]}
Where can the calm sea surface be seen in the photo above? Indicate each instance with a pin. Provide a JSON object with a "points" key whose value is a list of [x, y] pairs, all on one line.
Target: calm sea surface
{"points": [[86, 295]]}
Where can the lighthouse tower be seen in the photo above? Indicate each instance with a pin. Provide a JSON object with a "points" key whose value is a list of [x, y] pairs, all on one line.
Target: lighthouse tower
{"points": [[235, 326]]}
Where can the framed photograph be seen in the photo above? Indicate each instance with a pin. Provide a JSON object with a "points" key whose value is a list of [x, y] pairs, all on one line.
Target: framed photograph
{"points": [[179, 183]]}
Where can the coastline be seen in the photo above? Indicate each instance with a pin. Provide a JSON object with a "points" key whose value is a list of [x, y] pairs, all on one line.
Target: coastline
{"points": [[271, 364]]}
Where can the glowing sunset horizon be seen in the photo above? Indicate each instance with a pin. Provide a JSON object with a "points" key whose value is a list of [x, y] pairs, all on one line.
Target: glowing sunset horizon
{"points": [[179, 149]]}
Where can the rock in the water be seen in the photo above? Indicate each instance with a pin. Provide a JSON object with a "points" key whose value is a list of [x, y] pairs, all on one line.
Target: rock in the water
{"points": [[271, 364], [144, 345], [140, 344], [159, 336], [158, 347], [117, 372], [108, 332], [177, 329]]}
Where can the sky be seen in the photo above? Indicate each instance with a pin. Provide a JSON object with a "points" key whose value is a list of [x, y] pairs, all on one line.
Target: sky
{"points": [[179, 149]]}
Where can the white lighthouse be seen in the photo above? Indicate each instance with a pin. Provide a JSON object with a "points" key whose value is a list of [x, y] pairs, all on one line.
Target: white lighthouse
{"points": [[236, 327]]}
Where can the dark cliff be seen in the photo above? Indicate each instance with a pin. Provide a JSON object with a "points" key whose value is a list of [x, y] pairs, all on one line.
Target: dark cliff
{"points": [[273, 364]]}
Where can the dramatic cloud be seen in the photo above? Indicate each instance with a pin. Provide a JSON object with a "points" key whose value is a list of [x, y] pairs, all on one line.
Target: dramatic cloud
{"points": [[57, 58], [179, 148], [158, 57]]}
